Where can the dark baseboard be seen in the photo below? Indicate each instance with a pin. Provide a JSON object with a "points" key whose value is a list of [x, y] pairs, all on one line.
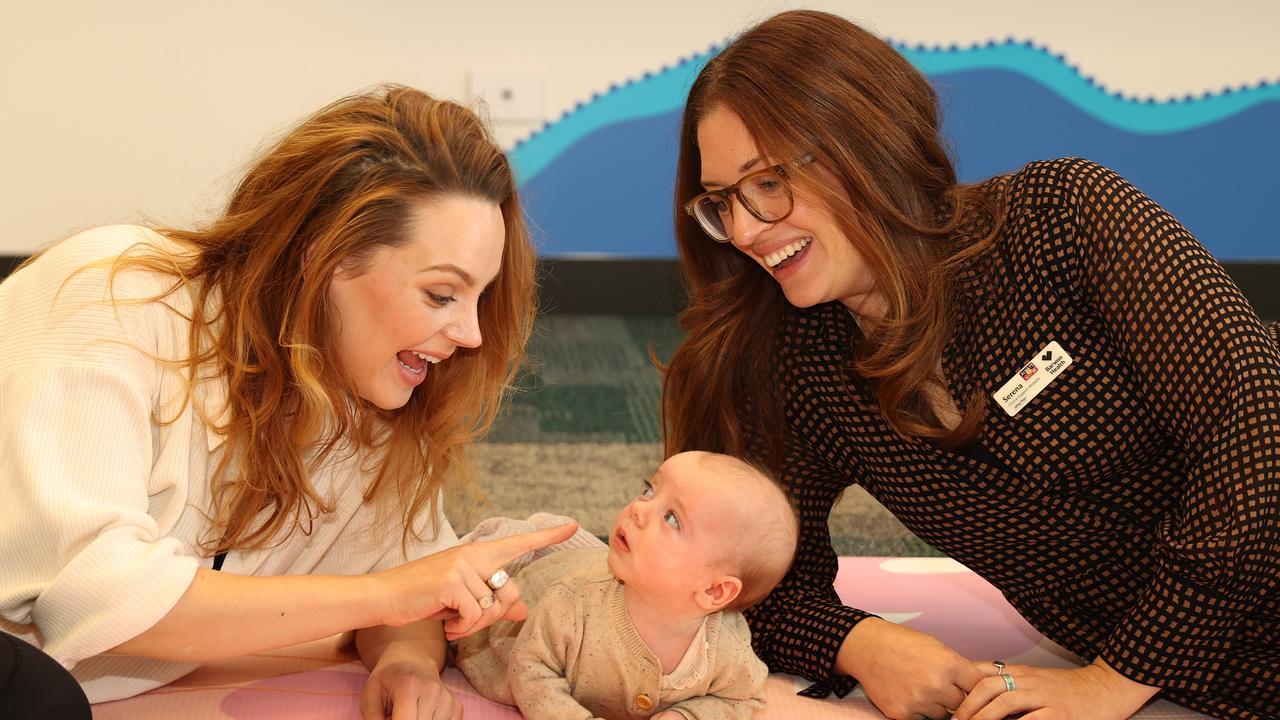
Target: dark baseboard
{"points": [[654, 287], [625, 287], [1260, 282], [8, 263]]}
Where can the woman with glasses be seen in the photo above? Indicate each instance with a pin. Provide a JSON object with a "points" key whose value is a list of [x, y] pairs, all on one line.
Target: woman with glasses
{"points": [[224, 440], [1043, 375]]}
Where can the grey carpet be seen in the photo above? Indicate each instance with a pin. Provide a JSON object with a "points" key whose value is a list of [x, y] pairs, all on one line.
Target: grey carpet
{"points": [[591, 481]]}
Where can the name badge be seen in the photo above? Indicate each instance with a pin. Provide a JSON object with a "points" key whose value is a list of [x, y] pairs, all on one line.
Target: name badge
{"points": [[1032, 378]]}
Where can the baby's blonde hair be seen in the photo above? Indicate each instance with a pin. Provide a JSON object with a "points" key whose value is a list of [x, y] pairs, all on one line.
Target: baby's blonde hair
{"points": [[774, 531]]}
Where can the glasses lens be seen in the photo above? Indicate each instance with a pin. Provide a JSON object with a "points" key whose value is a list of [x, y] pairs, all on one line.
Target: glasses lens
{"points": [[715, 215], [767, 195]]}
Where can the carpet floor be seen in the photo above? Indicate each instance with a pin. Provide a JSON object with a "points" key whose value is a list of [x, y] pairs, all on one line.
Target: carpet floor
{"points": [[583, 434]]}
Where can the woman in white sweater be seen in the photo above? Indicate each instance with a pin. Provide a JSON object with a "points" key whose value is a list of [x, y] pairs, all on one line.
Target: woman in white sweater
{"points": [[219, 441]]}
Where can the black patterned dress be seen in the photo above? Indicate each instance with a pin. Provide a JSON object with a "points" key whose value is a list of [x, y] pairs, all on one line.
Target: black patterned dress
{"points": [[1130, 510]]}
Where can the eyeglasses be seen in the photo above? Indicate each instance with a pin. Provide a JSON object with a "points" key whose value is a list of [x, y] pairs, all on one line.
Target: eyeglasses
{"points": [[766, 194]]}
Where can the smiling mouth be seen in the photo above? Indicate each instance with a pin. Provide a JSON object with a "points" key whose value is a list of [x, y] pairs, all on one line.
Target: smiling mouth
{"points": [[414, 361], [778, 258]]}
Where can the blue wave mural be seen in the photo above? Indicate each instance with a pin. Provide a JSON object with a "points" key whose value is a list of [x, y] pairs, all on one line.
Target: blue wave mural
{"points": [[598, 182]]}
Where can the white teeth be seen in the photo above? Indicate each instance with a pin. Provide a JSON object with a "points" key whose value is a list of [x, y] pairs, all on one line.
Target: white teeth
{"points": [[422, 357], [777, 256]]}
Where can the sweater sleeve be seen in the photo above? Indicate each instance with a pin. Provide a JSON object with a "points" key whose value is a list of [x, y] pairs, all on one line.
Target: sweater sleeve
{"points": [[801, 625], [536, 670], [82, 561], [1210, 375]]}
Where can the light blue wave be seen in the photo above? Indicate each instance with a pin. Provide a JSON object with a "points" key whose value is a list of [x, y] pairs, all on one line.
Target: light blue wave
{"points": [[655, 94], [1134, 114], [664, 92]]}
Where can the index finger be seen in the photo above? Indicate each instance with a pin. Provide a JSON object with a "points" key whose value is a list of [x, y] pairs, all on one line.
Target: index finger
{"points": [[500, 552]]}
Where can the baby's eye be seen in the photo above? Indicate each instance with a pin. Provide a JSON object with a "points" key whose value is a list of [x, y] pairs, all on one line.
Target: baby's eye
{"points": [[670, 518], [647, 491]]}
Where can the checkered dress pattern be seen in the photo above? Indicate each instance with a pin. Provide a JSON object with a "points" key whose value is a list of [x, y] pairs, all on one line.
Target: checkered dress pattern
{"points": [[1131, 510]]}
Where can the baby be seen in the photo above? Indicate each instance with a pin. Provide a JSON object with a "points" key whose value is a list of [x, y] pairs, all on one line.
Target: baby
{"points": [[652, 624]]}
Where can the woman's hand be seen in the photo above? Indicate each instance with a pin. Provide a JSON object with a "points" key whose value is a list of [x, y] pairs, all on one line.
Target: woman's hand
{"points": [[1093, 692], [451, 585], [406, 686], [907, 674]]}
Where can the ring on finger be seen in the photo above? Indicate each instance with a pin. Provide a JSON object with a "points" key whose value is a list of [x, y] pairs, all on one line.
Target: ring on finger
{"points": [[487, 601], [999, 666], [1009, 684], [498, 579]]}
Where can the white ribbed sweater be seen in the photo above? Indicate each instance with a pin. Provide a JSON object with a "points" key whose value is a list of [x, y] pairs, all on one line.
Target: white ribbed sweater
{"points": [[101, 508]]}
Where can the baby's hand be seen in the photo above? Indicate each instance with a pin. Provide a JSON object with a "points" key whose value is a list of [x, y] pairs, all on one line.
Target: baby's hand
{"points": [[667, 715]]}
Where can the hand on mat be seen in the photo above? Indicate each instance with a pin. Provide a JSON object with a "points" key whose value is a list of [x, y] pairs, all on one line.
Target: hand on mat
{"points": [[907, 674], [451, 585], [405, 686], [1093, 692]]}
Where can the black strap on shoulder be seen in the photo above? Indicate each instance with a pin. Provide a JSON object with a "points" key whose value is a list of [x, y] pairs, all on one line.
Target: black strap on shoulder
{"points": [[217, 560]]}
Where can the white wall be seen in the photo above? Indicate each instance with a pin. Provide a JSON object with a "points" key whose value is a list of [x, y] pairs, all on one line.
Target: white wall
{"points": [[148, 109]]}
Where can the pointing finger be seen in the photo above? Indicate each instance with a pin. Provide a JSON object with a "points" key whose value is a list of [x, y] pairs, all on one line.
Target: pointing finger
{"points": [[500, 552]]}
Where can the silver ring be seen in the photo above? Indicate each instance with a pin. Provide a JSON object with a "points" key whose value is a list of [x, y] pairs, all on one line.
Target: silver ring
{"points": [[487, 601], [498, 579], [1009, 684], [999, 666]]}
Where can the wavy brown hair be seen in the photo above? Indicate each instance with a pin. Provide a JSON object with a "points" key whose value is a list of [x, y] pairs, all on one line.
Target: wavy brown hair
{"points": [[328, 195], [812, 83]]}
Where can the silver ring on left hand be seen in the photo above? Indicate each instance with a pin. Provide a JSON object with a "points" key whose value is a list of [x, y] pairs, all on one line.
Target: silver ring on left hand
{"points": [[487, 601], [1009, 684], [999, 666], [497, 580]]}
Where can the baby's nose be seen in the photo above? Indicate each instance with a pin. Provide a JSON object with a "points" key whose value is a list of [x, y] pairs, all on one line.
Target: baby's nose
{"points": [[638, 514]]}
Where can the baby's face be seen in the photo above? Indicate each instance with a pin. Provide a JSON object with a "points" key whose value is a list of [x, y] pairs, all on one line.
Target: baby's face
{"points": [[677, 532]]}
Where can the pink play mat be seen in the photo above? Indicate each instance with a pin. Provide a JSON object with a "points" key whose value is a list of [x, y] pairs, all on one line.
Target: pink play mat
{"points": [[319, 681]]}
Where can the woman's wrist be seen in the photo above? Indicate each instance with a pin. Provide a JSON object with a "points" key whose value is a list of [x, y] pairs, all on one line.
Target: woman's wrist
{"points": [[854, 647], [411, 649], [423, 640], [1130, 694], [373, 586]]}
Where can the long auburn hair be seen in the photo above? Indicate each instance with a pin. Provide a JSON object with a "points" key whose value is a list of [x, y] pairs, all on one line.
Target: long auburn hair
{"points": [[812, 83], [329, 194]]}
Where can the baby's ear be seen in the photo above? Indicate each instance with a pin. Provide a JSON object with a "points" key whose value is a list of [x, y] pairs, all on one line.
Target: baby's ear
{"points": [[722, 590]]}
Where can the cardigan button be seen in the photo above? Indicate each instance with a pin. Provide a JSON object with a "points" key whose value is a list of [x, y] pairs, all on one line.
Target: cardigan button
{"points": [[643, 702]]}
